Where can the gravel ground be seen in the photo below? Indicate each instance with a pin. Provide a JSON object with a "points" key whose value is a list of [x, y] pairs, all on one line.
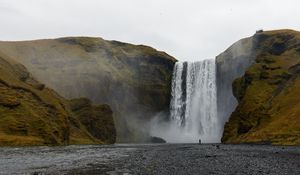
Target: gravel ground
{"points": [[152, 159]]}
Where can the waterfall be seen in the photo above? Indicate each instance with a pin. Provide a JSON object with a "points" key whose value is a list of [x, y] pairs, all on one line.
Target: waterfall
{"points": [[193, 106]]}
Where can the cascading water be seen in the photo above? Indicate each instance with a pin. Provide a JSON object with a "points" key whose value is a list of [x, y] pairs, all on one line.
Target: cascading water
{"points": [[194, 104]]}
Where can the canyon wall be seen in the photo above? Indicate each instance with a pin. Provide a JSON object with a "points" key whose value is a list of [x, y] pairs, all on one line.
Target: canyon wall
{"points": [[230, 65], [268, 93], [32, 114], [135, 80]]}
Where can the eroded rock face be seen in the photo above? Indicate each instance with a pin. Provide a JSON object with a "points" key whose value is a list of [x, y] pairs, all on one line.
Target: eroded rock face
{"points": [[134, 80], [268, 93], [96, 119], [230, 65], [32, 114]]}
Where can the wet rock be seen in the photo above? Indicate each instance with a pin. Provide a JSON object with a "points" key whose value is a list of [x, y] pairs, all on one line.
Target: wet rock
{"points": [[154, 139]]}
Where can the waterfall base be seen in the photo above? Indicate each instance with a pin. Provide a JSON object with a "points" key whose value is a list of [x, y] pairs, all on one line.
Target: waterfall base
{"points": [[193, 107]]}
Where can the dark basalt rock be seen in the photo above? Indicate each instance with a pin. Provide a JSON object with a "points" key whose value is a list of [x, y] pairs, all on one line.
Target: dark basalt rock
{"points": [[97, 119], [278, 48], [154, 139]]}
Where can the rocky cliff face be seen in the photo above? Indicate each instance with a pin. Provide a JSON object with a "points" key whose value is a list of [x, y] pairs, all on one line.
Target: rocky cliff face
{"points": [[268, 93], [230, 65], [32, 114], [96, 119], [134, 80]]}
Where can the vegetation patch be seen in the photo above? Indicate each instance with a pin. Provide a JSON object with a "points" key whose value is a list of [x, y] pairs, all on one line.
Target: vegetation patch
{"points": [[268, 111], [32, 114]]}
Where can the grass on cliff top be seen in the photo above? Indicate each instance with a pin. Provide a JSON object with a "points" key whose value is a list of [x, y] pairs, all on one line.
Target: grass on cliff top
{"points": [[118, 49], [270, 105]]}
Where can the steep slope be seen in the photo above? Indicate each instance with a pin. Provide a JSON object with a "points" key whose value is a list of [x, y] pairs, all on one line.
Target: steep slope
{"points": [[97, 120], [268, 94], [134, 80], [230, 65], [32, 114]]}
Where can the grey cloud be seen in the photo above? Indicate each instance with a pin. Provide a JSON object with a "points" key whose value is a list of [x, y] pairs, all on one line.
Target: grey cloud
{"points": [[188, 30]]}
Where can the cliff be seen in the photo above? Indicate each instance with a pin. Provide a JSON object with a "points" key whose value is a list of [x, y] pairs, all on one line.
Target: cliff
{"points": [[268, 93], [135, 80], [32, 114], [231, 64], [96, 119]]}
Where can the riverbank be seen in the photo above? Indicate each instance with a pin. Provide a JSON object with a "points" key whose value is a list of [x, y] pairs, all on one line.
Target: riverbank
{"points": [[152, 159]]}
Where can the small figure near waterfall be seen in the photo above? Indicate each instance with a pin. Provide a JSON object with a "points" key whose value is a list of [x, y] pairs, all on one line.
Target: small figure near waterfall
{"points": [[194, 101], [200, 141]]}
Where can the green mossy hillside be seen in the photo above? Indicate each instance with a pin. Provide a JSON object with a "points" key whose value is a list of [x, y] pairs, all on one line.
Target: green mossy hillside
{"points": [[269, 93], [134, 80], [32, 114]]}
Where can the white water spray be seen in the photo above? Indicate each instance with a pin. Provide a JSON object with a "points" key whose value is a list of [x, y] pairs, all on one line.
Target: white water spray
{"points": [[193, 105]]}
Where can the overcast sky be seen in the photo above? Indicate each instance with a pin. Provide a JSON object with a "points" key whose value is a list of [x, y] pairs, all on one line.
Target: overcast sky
{"points": [[186, 29]]}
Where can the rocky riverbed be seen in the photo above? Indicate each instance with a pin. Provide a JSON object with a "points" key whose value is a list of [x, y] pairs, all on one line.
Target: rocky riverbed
{"points": [[152, 159]]}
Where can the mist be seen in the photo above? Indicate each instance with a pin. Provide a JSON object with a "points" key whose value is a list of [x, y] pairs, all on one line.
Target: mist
{"points": [[169, 130]]}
